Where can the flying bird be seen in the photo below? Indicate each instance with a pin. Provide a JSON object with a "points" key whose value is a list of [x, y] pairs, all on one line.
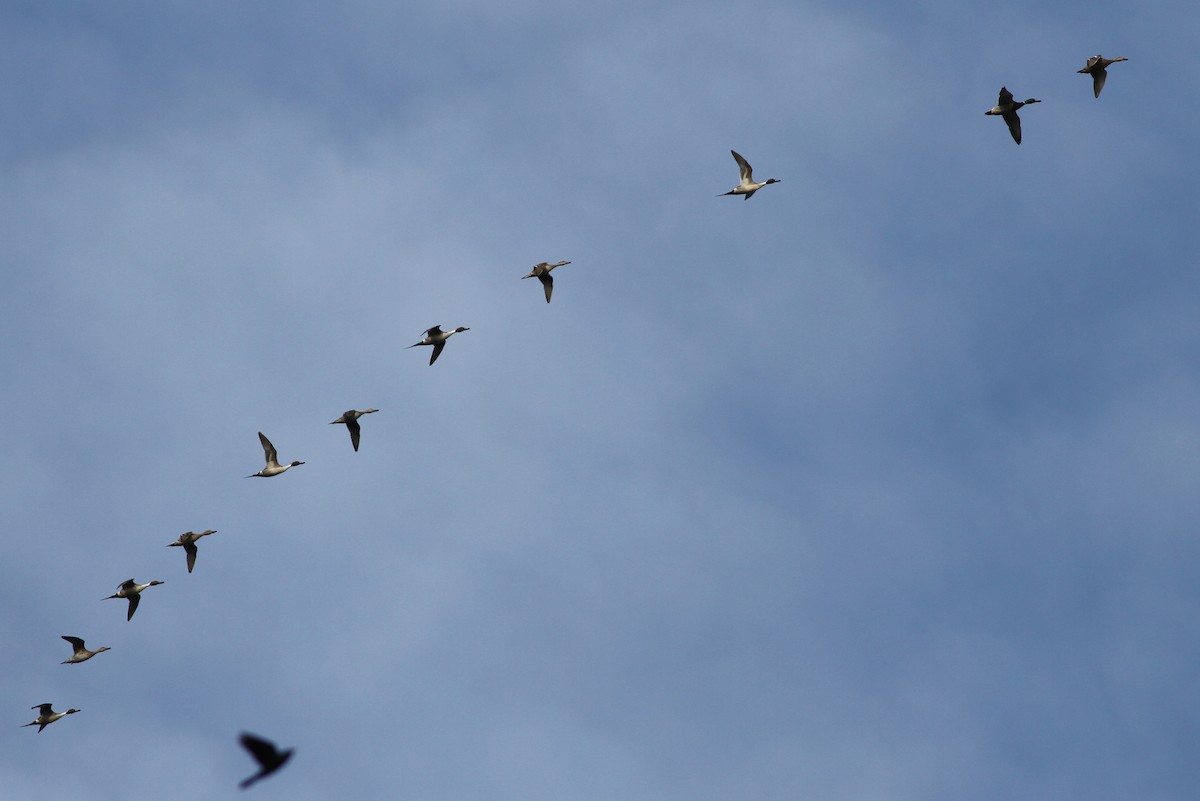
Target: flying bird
{"points": [[542, 273], [46, 716], [437, 337], [188, 540], [747, 186], [81, 654], [350, 418], [128, 589], [273, 467], [268, 757], [1097, 67], [1007, 108]]}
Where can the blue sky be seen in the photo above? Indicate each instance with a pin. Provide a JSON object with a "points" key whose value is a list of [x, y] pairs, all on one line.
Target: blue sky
{"points": [[878, 485]]}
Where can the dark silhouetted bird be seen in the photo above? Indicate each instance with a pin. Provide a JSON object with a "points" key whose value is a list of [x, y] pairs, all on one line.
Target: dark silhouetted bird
{"points": [[268, 757]]}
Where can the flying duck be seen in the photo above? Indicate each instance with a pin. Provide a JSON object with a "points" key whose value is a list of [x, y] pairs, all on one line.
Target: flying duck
{"points": [[188, 540], [437, 337], [273, 467], [747, 186], [542, 273], [81, 654], [350, 418], [46, 716], [1097, 67], [1007, 108], [128, 589]]}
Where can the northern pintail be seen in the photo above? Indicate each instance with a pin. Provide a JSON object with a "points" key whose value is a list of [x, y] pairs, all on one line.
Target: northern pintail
{"points": [[188, 540], [437, 337], [46, 716], [273, 467], [1007, 108], [350, 419], [268, 757], [747, 186], [133, 591], [542, 273], [1097, 67], [81, 654]]}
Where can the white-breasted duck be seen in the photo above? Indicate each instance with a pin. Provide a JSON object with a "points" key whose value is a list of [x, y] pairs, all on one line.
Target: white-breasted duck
{"points": [[1007, 108], [542, 273], [133, 591], [273, 467], [46, 716], [747, 185], [350, 419], [437, 337], [188, 541], [82, 654]]}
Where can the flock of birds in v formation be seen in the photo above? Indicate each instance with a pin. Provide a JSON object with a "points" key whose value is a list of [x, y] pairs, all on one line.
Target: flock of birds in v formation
{"points": [[265, 753]]}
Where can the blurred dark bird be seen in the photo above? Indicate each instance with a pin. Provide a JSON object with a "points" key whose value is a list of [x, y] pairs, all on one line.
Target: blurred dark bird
{"points": [[268, 757]]}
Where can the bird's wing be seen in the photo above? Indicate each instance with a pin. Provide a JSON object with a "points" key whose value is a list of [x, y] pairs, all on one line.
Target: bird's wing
{"points": [[547, 283], [76, 643], [1098, 78], [134, 600], [744, 167], [244, 783], [1006, 97], [355, 430], [263, 751], [190, 549], [437, 351], [1014, 124], [268, 448]]}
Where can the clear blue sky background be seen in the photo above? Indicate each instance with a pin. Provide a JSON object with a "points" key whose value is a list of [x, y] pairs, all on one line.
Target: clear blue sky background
{"points": [[881, 485]]}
